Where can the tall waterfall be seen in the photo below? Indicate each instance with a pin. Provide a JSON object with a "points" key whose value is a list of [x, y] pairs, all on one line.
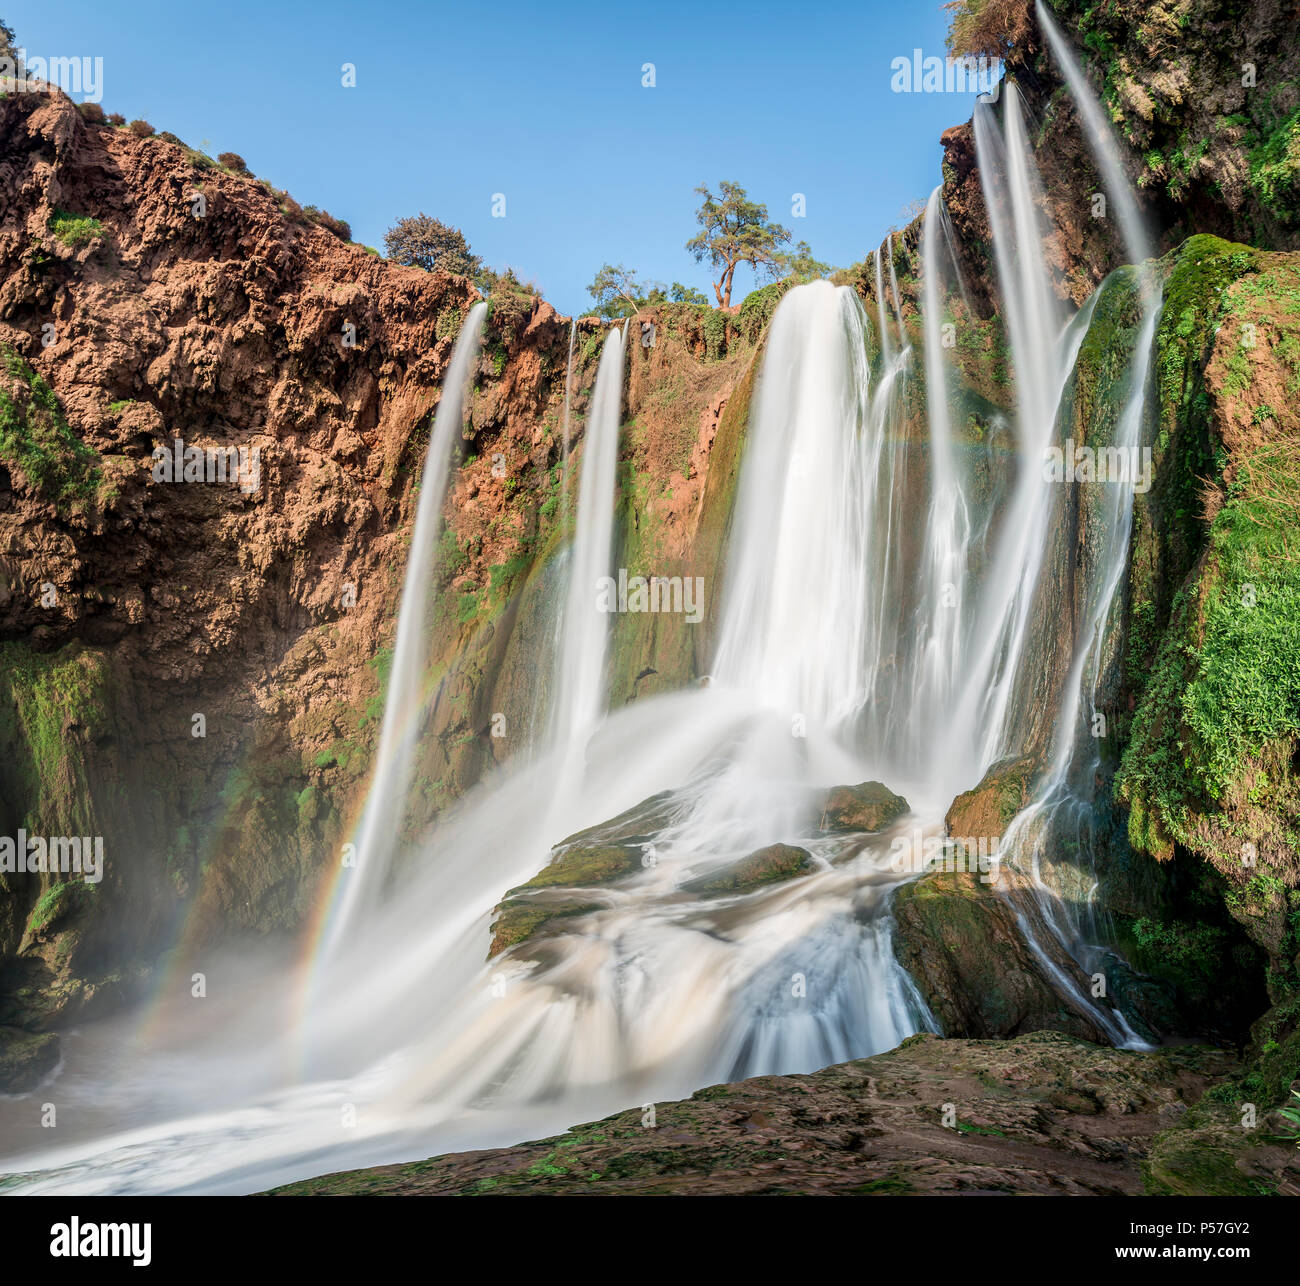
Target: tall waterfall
{"points": [[565, 422], [381, 820], [580, 687]]}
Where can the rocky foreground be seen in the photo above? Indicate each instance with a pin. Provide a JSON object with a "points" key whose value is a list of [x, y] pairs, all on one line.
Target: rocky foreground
{"points": [[1041, 1114]]}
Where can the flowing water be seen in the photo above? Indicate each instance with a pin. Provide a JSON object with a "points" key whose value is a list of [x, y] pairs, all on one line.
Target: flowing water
{"points": [[879, 620], [580, 688], [381, 818]]}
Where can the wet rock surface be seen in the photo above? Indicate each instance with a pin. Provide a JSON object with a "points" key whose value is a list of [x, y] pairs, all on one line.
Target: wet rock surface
{"points": [[870, 806], [1041, 1114], [964, 949]]}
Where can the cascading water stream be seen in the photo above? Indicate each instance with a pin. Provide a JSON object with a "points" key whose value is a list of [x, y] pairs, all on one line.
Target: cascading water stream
{"points": [[1042, 355], [1062, 907], [385, 803], [938, 654], [580, 680], [1102, 141], [886, 341], [568, 399]]}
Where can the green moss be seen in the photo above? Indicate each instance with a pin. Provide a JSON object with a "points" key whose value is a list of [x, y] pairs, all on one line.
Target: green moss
{"points": [[35, 438], [1245, 685], [581, 867], [56, 903], [48, 696], [1275, 170], [757, 307], [75, 229]]}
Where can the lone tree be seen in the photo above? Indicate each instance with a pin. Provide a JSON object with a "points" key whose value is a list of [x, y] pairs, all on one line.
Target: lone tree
{"points": [[428, 243], [10, 63], [616, 291], [735, 230]]}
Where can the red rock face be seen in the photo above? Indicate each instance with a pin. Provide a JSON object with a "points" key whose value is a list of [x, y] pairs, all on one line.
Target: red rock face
{"points": [[182, 301]]}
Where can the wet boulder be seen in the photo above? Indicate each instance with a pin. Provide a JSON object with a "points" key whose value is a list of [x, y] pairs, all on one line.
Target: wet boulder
{"points": [[771, 865], [870, 806], [963, 947], [987, 809]]}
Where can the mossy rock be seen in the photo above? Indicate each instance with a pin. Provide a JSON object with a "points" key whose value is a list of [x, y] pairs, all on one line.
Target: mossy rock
{"points": [[987, 809], [870, 806], [529, 910], [962, 945], [770, 865], [522, 921], [638, 825], [26, 1059], [583, 866]]}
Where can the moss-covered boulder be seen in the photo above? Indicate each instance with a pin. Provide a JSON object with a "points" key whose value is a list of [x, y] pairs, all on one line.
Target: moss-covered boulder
{"points": [[961, 944], [869, 806], [592, 858], [771, 865], [520, 921], [987, 810], [26, 1059]]}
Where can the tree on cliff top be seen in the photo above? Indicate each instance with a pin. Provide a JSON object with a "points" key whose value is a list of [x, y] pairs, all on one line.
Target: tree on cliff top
{"points": [[735, 230], [991, 28], [616, 291], [10, 63], [428, 243]]}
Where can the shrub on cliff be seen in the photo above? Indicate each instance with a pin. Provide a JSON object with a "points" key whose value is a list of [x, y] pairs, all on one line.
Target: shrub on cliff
{"points": [[339, 227], [232, 161], [422, 241], [92, 113], [141, 129]]}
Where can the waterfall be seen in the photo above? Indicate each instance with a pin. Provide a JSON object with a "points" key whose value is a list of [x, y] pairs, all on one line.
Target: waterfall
{"points": [[568, 392], [937, 655], [580, 683], [857, 638], [1060, 909], [886, 342], [1042, 355], [1101, 139], [403, 703]]}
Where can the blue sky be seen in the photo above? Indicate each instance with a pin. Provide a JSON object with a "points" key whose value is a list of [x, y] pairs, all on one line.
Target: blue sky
{"points": [[544, 103]]}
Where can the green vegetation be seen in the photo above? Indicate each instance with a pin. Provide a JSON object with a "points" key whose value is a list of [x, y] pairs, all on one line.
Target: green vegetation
{"points": [[1275, 170], [35, 438], [75, 229], [1245, 688], [46, 696]]}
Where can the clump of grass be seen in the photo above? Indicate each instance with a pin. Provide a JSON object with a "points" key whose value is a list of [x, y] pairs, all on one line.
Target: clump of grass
{"points": [[75, 229]]}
